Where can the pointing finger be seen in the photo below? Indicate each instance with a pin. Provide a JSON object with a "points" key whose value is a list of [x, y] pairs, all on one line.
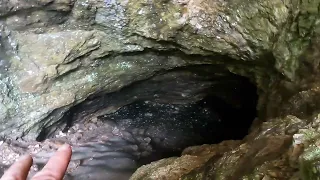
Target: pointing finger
{"points": [[57, 165], [19, 170]]}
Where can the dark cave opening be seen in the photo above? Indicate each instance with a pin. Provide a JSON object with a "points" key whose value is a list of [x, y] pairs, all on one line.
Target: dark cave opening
{"points": [[158, 118], [208, 121]]}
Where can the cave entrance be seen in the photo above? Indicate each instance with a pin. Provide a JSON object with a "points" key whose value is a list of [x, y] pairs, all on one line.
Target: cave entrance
{"points": [[159, 117]]}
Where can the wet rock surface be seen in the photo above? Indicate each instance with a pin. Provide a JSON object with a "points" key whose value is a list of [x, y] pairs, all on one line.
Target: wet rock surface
{"points": [[171, 127], [191, 159], [62, 52], [68, 62], [113, 146], [270, 154]]}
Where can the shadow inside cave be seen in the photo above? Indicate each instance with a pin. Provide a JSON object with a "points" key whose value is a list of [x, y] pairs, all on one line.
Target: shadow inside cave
{"points": [[114, 134], [159, 127]]}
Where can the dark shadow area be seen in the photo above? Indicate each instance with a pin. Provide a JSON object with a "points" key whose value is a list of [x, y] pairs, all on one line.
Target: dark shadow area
{"points": [[173, 127], [218, 104], [156, 118]]}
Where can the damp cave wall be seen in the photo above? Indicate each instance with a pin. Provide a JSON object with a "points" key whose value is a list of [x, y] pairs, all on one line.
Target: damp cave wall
{"points": [[56, 54], [229, 96]]}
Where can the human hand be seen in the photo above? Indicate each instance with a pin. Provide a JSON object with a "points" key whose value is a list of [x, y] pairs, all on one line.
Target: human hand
{"points": [[53, 170]]}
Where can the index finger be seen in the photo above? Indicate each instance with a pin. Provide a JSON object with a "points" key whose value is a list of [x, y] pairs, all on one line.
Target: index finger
{"points": [[57, 164], [19, 170]]}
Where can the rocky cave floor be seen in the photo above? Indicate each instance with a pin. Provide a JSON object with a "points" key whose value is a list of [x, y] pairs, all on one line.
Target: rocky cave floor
{"points": [[113, 146]]}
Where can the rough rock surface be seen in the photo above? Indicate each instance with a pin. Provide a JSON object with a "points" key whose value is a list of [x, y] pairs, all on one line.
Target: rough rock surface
{"points": [[105, 45], [59, 54], [113, 146], [192, 158]]}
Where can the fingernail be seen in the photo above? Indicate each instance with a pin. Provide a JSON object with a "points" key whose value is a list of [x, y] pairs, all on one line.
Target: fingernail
{"points": [[24, 157], [64, 147]]}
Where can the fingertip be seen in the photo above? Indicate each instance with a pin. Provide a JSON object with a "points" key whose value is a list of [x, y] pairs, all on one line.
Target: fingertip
{"points": [[57, 164], [65, 147], [26, 157], [19, 169]]}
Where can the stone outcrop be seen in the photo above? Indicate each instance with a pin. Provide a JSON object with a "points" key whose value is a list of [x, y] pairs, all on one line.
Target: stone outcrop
{"points": [[56, 54]]}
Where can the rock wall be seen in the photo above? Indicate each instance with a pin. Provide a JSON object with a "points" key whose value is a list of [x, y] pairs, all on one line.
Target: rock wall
{"points": [[54, 54], [60, 52]]}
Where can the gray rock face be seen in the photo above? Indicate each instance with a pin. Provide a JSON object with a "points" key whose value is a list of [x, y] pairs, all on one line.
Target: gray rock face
{"points": [[61, 52], [52, 63], [56, 55], [43, 75]]}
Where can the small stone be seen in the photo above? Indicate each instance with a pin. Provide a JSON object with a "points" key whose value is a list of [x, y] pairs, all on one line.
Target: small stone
{"points": [[139, 139], [94, 120], [115, 131], [273, 174], [141, 131], [71, 131], [266, 177], [145, 153], [135, 131], [92, 126], [147, 140], [298, 138]]}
